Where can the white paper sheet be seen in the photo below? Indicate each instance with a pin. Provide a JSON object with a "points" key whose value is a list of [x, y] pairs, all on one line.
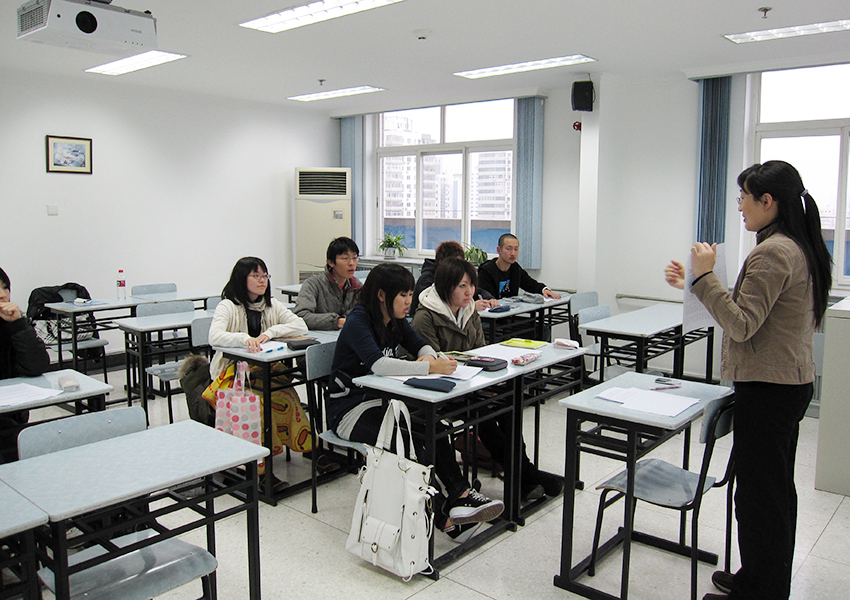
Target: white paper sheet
{"points": [[272, 346], [462, 373], [695, 314], [21, 393], [658, 403], [500, 351]]}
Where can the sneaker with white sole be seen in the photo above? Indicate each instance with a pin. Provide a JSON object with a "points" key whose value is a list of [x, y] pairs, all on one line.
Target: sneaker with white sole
{"points": [[474, 507]]}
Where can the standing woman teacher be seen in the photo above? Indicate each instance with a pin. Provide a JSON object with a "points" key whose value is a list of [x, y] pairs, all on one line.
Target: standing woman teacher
{"points": [[768, 321]]}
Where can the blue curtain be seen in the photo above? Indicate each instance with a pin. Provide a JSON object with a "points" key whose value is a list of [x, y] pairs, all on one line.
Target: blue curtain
{"points": [[529, 180], [351, 155], [715, 94]]}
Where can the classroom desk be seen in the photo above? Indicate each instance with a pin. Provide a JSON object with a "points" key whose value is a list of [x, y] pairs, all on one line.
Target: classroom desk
{"points": [[17, 545], [79, 314], [83, 486], [462, 403], [651, 331], [290, 291], [91, 389], [139, 344], [500, 326], [643, 432], [265, 360]]}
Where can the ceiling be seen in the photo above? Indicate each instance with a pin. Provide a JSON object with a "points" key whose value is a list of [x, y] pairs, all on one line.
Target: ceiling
{"points": [[379, 47]]}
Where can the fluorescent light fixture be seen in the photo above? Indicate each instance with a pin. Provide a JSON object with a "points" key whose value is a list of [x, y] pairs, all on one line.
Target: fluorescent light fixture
{"points": [[534, 65], [786, 32], [134, 63], [353, 91], [314, 12]]}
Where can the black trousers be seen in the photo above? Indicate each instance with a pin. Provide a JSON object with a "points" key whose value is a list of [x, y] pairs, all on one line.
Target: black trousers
{"points": [[767, 418], [445, 468]]}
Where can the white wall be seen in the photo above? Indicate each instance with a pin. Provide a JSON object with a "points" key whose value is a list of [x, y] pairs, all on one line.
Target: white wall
{"points": [[183, 185]]}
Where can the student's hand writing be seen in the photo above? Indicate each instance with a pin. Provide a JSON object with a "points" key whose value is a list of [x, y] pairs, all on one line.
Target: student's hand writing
{"points": [[547, 293], [443, 366], [9, 311], [674, 273], [483, 304], [703, 258], [253, 344]]}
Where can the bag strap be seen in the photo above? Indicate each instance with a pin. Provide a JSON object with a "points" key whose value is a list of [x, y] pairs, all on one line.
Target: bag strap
{"points": [[241, 375], [392, 420]]}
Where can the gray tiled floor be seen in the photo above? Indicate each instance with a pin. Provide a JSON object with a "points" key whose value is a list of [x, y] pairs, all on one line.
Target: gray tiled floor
{"points": [[304, 554]]}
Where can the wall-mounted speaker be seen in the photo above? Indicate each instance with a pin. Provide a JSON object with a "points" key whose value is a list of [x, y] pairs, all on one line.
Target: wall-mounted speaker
{"points": [[583, 95]]}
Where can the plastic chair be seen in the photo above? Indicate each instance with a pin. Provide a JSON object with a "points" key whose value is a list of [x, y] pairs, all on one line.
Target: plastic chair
{"points": [[153, 288], [318, 362], [164, 308], [92, 348], [662, 484], [578, 302], [594, 350], [169, 372], [211, 302], [138, 575]]}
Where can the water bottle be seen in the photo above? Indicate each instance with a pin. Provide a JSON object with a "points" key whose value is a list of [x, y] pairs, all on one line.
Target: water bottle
{"points": [[121, 285]]}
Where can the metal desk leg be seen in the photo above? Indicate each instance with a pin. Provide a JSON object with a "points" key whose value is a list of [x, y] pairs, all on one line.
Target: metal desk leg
{"points": [[267, 494], [513, 476], [709, 355], [679, 354], [252, 516], [565, 576]]}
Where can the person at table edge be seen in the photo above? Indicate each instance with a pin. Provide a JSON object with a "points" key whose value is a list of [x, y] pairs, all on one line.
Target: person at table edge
{"points": [[503, 276], [449, 249], [326, 298]]}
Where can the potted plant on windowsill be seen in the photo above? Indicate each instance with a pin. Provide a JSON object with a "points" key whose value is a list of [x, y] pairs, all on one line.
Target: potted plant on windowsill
{"points": [[475, 255], [392, 245]]}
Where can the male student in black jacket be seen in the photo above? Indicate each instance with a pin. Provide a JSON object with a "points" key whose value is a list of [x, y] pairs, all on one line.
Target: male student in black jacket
{"points": [[503, 276]]}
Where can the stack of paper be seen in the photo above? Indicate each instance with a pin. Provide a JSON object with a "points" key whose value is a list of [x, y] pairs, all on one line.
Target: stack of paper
{"points": [[21, 393]]}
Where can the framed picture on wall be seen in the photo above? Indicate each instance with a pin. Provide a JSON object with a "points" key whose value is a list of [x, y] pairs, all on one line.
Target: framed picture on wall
{"points": [[68, 154]]}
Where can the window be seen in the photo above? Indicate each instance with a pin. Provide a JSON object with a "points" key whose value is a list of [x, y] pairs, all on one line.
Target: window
{"points": [[446, 173], [804, 119]]}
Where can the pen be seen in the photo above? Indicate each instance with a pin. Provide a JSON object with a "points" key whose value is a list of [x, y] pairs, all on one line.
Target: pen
{"points": [[666, 387]]}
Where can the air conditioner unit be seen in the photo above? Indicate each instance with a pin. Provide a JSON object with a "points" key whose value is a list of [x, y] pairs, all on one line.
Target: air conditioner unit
{"points": [[322, 213], [323, 184], [88, 25]]}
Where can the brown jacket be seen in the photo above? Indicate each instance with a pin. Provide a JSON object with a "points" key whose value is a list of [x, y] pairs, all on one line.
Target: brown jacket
{"points": [[768, 319]]}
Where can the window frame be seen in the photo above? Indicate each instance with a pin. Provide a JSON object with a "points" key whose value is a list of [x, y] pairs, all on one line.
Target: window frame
{"points": [[419, 151], [812, 128]]}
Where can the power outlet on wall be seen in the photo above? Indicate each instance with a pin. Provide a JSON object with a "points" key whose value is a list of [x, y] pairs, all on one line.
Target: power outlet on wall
{"points": [[52, 210]]}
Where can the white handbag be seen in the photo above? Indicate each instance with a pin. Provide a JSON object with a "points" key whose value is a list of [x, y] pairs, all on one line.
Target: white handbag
{"points": [[393, 519]]}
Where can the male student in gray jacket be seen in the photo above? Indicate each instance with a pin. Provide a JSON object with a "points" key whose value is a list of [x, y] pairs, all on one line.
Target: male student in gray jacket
{"points": [[326, 298]]}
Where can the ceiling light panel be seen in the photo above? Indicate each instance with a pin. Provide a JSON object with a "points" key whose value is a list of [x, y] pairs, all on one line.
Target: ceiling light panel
{"points": [[353, 91], [314, 12], [135, 63], [534, 65], [786, 32]]}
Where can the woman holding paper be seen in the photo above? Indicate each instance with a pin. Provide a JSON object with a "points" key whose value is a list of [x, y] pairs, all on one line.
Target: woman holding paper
{"points": [[368, 343], [247, 317], [449, 322], [768, 321]]}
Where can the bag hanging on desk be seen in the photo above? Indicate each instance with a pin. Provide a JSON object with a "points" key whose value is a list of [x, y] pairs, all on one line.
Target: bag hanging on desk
{"points": [[237, 409], [393, 519]]}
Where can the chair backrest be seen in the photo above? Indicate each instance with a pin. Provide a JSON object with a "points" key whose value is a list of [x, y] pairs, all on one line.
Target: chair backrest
{"points": [[62, 434], [201, 332], [717, 418], [164, 308], [68, 295], [319, 360], [594, 313], [211, 302], [153, 288], [579, 302]]}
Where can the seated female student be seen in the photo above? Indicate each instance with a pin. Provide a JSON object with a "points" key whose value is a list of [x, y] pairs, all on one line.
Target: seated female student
{"points": [[326, 298], [448, 321], [248, 316], [367, 344], [22, 354]]}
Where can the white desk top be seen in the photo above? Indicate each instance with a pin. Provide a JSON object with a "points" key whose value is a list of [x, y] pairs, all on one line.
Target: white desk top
{"points": [[78, 480], [240, 353], [587, 401], [88, 387], [644, 322], [95, 305], [161, 322], [549, 355], [518, 308], [18, 514], [292, 288]]}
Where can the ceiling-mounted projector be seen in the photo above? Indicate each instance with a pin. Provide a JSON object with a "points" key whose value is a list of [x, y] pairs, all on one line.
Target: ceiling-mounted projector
{"points": [[88, 25]]}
